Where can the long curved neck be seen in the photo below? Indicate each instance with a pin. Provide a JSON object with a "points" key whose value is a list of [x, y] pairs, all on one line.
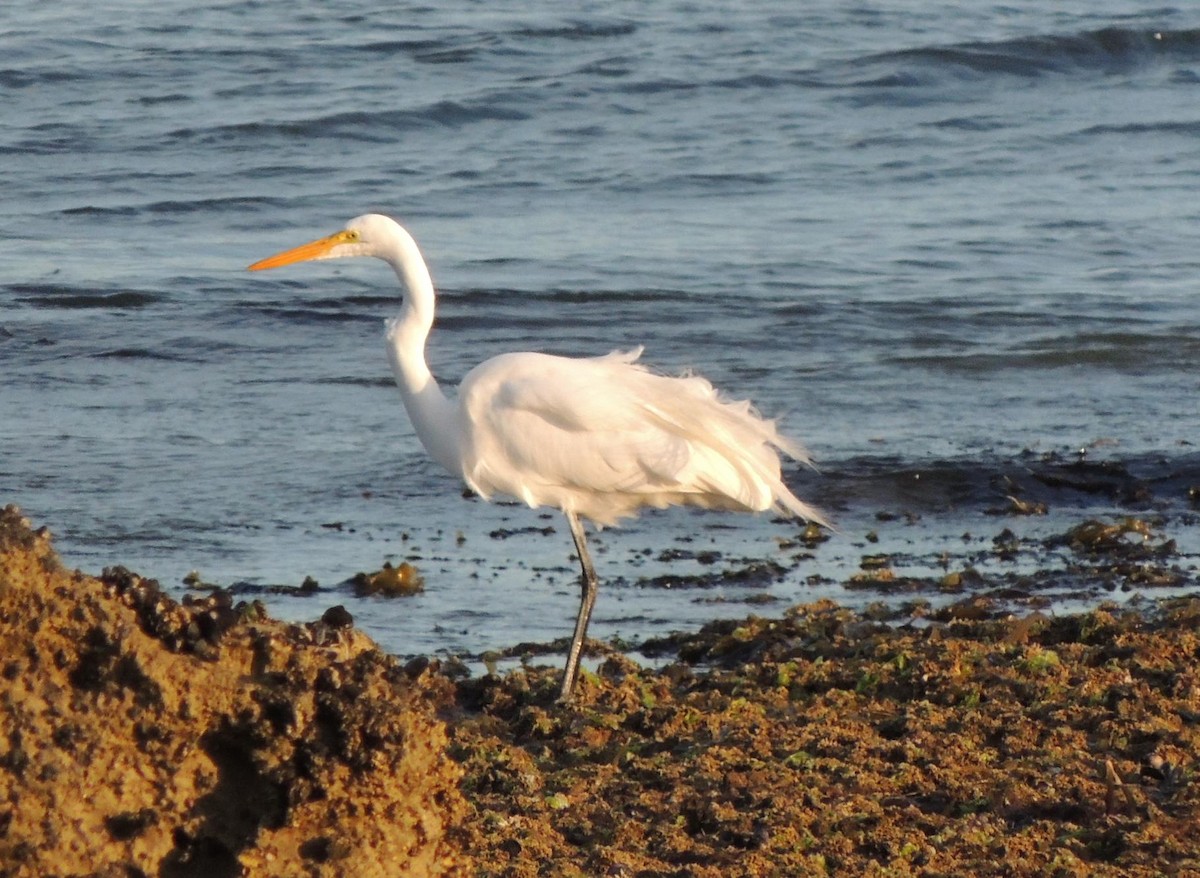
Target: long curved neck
{"points": [[434, 417]]}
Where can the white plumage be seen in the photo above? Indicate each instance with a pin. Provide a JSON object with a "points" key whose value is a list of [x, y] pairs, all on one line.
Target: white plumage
{"points": [[604, 436], [597, 437]]}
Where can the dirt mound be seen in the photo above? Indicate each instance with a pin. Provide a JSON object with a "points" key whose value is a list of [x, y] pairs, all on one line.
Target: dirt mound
{"points": [[145, 737]]}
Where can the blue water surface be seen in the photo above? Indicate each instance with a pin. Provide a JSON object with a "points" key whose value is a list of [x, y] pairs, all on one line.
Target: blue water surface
{"points": [[934, 241]]}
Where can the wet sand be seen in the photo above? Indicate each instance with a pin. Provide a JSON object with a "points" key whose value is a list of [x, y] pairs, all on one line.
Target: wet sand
{"points": [[143, 736]]}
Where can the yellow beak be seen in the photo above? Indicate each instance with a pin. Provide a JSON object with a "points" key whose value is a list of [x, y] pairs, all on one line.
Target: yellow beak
{"points": [[303, 253]]}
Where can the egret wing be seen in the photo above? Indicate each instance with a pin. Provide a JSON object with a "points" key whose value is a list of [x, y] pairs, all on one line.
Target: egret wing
{"points": [[604, 436], [534, 421]]}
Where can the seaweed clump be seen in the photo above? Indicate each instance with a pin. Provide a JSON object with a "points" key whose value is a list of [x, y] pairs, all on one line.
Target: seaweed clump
{"points": [[829, 743]]}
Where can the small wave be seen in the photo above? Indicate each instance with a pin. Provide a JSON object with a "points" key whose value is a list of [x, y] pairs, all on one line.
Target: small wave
{"points": [[658, 86], [15, 78], [354, 381], [310, 316], [759, 81], [53, 296], [209, 205], [94, 210], [235, 204], [578, 30], [48, 139], [380, 126], [1106, 50], [1097, 50], [720, 181], [427, 51], [362, 300], [447, 51], [614, 296], [154, 100], [969, 123], [1115, 351], [404, 47], [490, 295], [136, 354], [1187, 129]]}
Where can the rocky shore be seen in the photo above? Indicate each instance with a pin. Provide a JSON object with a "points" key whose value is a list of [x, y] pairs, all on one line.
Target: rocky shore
{"points": [[142, 736]]}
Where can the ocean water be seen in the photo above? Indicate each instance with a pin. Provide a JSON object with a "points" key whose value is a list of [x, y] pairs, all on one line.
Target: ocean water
{"points": [[954, 251]]}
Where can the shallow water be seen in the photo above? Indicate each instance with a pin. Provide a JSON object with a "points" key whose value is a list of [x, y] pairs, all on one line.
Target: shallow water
{"points": [[938, 244]]}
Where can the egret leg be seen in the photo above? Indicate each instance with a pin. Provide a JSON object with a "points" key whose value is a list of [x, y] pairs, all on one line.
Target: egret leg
{"points": [[587, 599]]}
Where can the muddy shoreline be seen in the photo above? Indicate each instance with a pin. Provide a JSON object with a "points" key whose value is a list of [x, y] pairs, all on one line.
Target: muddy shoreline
{"points": [[144, 736]]}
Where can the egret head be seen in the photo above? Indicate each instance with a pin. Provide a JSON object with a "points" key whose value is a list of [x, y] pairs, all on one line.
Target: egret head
{"points": [[368, 235]]}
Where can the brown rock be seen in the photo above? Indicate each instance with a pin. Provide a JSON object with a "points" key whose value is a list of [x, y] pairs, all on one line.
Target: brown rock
{"points": [[143, 737]]}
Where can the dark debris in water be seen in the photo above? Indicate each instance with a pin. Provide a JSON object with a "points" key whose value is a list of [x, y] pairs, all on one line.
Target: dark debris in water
{"points": [[1128, 537], [752, 574], [307, 588], [1074, 528], [1109, 479], [1033, 484], [503, 533], [402, 580], [702, 557]]}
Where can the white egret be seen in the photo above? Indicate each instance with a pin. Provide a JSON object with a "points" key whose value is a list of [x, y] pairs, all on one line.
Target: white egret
{"points": [[597, 437]]}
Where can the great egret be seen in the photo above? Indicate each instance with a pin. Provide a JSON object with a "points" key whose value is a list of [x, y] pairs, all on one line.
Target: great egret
{"points": [[598, 437]]}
